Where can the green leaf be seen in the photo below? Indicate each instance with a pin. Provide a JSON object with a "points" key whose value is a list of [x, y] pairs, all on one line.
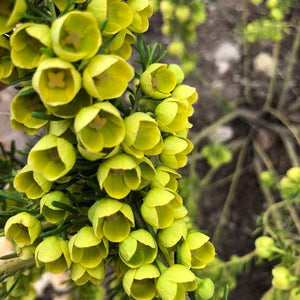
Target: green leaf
{"points": [[15, 196]]}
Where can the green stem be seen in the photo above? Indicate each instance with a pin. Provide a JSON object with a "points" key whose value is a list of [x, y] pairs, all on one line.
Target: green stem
{"points": [[12, 267]]}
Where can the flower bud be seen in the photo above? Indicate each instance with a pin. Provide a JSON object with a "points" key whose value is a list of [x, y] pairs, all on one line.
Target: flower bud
{"points": [[182, 13], [206, 288], [23, 228], [290, 184], [138, 248], [264, 246], [282, 278]]}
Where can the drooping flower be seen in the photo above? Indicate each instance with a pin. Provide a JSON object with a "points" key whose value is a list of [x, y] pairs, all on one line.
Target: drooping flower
{"points": [[26, 43], [23, 228], [10, 13], [22, 108], [158, 81], [52, 156], [158, 208], [196, 251], [99, 126], [140, 283], [76, 36], [102, 73], [56, 81], [52, 213], [142, 11], [33, 184], [104, 153], [165, 177], [175, 282], [138, 248], [53, 252], [6, 65], [142, 136], [81, 275], [175, 151], [172, 115], [86, 249], [111, 219]]}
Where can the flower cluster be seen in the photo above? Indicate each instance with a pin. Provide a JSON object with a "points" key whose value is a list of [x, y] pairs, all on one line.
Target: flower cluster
{"points": [[101, 183]]}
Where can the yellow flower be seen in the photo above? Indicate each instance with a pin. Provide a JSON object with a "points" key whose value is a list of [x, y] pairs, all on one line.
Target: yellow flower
{"points": [[56, 81], [76, 36], [165, 177], [103, 72], [81, 275], [6, 65]]}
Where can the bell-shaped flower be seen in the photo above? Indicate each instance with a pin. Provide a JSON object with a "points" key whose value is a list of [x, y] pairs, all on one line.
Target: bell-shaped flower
{"points": [[23, 228], [175, 282], [6, 65], [142, 11], [186, 92], [52, 213], [165, 177], [119, 16], [99, 126], [175, 151], [22, 108], [147, 171], [53, 252], [111, 219], [76, 36], [70, 110], [206, 288], [33, 184], [158, 207], [56, 81], [26, 252], [176, 69], [121, 44], [196, 251], [158, 81], [99, 9], [10, 13], [138, 249], [140, 283], [264, 247], [103, 154], [81, 275], [102, 73], [52, 156], [26, 43], [86, 249], [172, 115], [63, 129], [170, 237], [282, 278], [142, 136], [14, 124], [118, 175]]}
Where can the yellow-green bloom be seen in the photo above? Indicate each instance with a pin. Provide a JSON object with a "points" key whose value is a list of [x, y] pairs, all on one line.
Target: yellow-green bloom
{"points": [[99, 9], [165, 177], [33, 184], [119, 16], [111, 219], [282, 278], [10, 13], [54, 214], [81, 275], [206, 288], [142, 135], [290, 184], [22, 108], [196, 251], [56, 81], [6, 65], [23, 228], [107, 76], [142, 11], [63, 129], [158, 208], [147, 172], [175, 151], [19, 126], [118, 175], [264, 246], [175, 282], [186, 92], [62, 4], [70, 110], [76, 36], [53, 252], [172, 115], [86, 249], [121, 44], [26, 43], [138, 249], [158, 81], [52, 156], [104, 153], [99, 126], [140, 283], [26, 252]]}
